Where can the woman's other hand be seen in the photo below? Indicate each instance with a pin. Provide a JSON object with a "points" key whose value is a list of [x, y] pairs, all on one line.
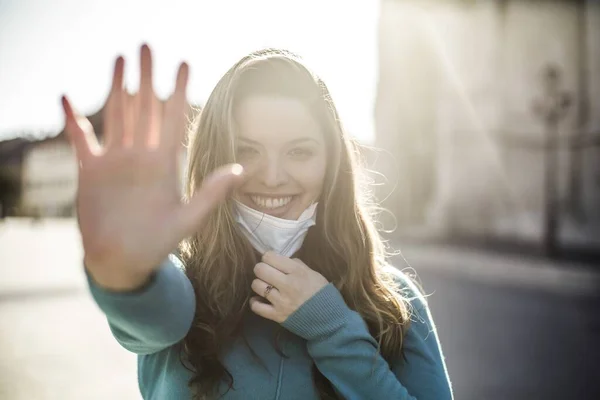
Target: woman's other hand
{"points": [[293, 284]]}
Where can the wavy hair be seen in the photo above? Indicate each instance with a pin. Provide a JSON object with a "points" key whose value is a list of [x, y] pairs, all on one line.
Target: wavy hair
{"points": [[344, 245]]}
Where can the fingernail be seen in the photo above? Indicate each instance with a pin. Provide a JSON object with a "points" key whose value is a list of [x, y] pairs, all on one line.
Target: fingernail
{"points": [[237, 169], [185, 67], [64, 101]]}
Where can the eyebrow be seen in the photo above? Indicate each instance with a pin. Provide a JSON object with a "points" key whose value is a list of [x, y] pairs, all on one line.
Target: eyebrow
{"points": [[295, 141]]}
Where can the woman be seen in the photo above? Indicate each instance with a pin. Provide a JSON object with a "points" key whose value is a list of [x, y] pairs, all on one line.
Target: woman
{"points": [[282, 291]]}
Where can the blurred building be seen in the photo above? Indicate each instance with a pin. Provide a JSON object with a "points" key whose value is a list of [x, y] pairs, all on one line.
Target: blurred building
{"points": [[40, 174], [11, 161], [34, 174], [49, 178], [38, 177], [466, 113]]}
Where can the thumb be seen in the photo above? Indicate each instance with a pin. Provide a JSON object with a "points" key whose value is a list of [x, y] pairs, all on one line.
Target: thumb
{"points": [[214, 190]]}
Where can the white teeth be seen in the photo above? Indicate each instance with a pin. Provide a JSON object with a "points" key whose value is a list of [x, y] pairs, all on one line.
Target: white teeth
{"points": [[270, 202]]}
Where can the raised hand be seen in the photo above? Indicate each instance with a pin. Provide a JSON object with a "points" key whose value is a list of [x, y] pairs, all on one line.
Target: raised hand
{"points": [[129, 205]]}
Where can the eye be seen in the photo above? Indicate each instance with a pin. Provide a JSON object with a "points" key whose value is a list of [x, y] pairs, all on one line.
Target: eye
{"points": [[301, 153], [246, 152]]}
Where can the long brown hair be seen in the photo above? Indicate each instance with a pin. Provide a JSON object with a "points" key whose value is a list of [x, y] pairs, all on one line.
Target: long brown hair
{"points": [[343, 246]]}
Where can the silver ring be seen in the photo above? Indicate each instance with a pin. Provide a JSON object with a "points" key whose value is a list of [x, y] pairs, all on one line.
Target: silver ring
{"points": [[267, 290]]}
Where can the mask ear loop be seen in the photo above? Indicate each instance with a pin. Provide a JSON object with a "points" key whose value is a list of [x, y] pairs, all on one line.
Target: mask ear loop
{"points": [[255, 229], [262, 217]]}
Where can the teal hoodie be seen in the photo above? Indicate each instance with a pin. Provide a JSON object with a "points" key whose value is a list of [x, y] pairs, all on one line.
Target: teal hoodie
{"points": [[153, 321]]}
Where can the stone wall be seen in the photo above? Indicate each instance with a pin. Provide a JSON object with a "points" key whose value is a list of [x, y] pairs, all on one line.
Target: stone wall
{"points": [[462, 78]]}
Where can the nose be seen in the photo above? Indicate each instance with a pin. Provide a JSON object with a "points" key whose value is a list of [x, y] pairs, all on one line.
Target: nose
{"points": [[272, 172]]}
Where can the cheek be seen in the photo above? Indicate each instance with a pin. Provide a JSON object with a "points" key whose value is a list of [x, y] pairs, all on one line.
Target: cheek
{"points": [[310, 175]]}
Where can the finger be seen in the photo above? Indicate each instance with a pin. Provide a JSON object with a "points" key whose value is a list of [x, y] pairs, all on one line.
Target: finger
{"points": [[215, 189], [76, 133], [156, 122], [270, 275], [282, 263], [114, 112], [263, 309], [147, 101], [260, 288], [132, 111], [174, 121]]}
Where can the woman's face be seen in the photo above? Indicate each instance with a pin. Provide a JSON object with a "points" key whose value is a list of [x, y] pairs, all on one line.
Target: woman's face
{"points": [[282, 149]]}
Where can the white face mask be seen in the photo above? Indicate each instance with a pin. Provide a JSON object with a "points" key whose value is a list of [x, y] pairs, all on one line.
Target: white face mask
{"points": [[266, 232]]}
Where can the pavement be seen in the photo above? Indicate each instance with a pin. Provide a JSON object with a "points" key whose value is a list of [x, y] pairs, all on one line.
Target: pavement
{"points": [[511, 327], [54, 341]]}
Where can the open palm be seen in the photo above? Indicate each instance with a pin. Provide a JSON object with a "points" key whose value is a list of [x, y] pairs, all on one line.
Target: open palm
{"points": [[129, 205]]}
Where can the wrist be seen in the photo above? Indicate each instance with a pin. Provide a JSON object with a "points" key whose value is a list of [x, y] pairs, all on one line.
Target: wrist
{"points": [[118, 280], [322, 315]]}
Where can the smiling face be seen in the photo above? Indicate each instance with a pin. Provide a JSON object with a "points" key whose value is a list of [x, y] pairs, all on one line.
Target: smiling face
{"points": [[282, 149]]}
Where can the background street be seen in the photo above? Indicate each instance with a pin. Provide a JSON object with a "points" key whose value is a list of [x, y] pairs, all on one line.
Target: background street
{"points": [[511, 327]]}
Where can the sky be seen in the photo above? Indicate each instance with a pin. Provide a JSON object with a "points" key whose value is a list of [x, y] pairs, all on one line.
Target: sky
{"points": [[69, 46]]}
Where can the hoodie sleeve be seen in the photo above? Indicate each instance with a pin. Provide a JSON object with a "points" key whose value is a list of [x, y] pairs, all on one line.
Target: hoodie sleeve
{"points": [[154, 317], [345, 352]]}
